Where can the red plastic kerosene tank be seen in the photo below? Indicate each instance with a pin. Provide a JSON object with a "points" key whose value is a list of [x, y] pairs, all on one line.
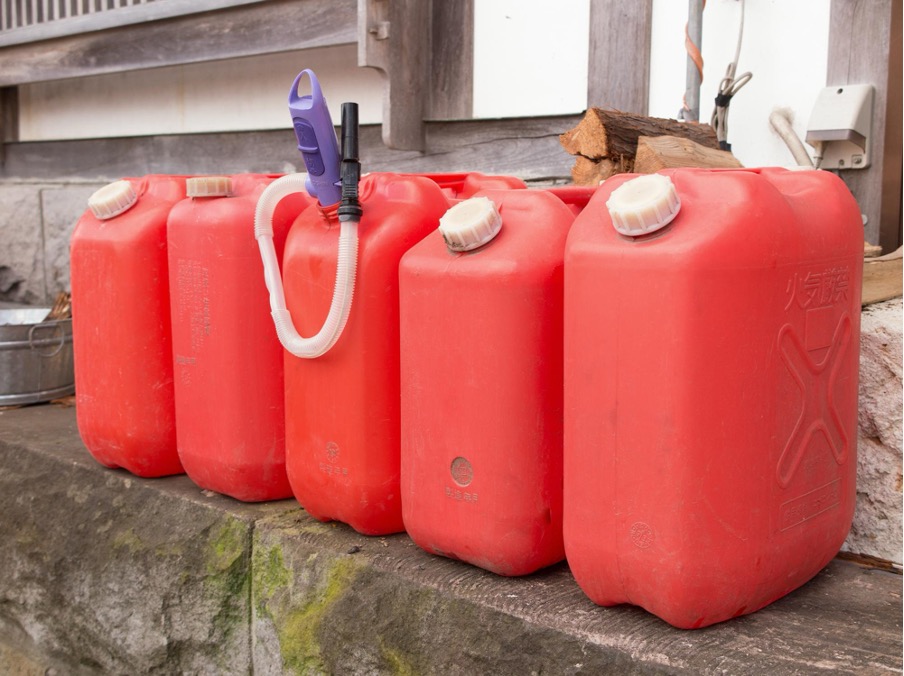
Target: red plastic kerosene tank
{"points": [[711, 360], [335, 307], [121, 326], [481, 331], [342, 405], [230, 417]]}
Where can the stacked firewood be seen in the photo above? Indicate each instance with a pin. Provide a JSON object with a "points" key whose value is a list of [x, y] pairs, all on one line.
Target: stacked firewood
{"points": [[608, 142]]}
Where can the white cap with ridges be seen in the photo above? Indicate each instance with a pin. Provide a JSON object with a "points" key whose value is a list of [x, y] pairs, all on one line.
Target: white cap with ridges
{"points": [[112, 200], [643, 205], [470, 224], [208, 186]]}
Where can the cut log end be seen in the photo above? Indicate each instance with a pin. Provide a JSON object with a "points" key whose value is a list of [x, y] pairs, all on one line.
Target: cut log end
{"points": [[587, 172]]}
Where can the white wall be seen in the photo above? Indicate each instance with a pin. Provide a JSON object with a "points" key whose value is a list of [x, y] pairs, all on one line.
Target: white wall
{"points": [[530, 58], [785, 46], [241, 94]]}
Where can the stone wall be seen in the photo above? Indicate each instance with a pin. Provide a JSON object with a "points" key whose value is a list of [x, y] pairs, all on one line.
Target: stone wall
{"points": [[105, 573], [36, 222], [877, 524]]}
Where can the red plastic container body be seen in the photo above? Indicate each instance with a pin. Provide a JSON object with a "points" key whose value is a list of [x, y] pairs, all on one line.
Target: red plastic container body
{"points": [[482, 390], [576, 197], [342, 409], [230, 415], [711, 393], [459, 186], [121, 333]]}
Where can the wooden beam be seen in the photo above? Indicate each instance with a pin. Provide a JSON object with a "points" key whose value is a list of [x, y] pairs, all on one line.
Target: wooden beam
{"points": [[57, 27], [452, 59], [882, 279], [246, 30], [618, 73], [524, 147], [861, 37], [9, 114], [394, 38], [9, 119], [891, 236]]}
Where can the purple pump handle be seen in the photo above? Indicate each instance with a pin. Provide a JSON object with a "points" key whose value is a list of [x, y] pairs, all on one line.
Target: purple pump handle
{"points": [[316, 141]]}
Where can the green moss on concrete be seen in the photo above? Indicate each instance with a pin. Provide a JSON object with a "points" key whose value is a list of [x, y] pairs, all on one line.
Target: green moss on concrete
{"points": [[228, 577], [398, 662], [269, 574], [126, 539], [169, 549], [299, 628], [228, 542], [317, 528], [226, 564]]}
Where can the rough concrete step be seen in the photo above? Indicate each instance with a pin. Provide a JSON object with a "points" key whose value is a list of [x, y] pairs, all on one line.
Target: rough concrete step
{"points": [[101, 572]]}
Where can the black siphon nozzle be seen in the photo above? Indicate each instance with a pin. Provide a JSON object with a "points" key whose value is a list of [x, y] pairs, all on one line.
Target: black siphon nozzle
{"points": [[350, 169], [349, 131]]}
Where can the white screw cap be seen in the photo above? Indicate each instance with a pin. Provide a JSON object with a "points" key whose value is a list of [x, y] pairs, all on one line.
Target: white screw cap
{"points": [[112, 200], [470, 224], [208, 186], [643, 205]]}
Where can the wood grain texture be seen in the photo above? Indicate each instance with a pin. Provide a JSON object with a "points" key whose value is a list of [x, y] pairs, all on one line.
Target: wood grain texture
{"points": [[525, 147], [587, 172], [668, 152], [613, 134], [9, 119], [618, 73], [882, 280], [264, 28], [861, 33], [109, 17], [451, 76], [9, 114], [394, 37]]}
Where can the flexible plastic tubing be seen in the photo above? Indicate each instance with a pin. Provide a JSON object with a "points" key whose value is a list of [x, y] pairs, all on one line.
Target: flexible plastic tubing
{"points": [[782, 126], [343, 291]]}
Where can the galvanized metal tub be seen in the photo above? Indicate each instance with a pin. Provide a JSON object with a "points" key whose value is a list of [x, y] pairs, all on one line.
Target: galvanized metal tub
{"points": [[35, 356]]}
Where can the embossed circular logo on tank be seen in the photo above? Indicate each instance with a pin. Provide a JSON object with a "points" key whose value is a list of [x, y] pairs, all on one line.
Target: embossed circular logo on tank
{"points": [[462, 472], [332, 450], [642, 535]]}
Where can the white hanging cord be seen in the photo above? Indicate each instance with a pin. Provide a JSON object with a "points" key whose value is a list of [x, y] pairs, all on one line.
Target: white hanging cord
{"points": [[728, 87]]}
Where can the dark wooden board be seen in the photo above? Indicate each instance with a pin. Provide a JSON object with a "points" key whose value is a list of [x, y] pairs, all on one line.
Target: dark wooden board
{"points": [[882, 280], [394, 37], [452, 60], [865, 48], [525, 147], [247, 30], [618, 69]]}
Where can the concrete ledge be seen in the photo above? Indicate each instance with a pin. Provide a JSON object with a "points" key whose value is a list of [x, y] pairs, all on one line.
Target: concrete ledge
{"points": [[118, 574], [106, 573]]}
